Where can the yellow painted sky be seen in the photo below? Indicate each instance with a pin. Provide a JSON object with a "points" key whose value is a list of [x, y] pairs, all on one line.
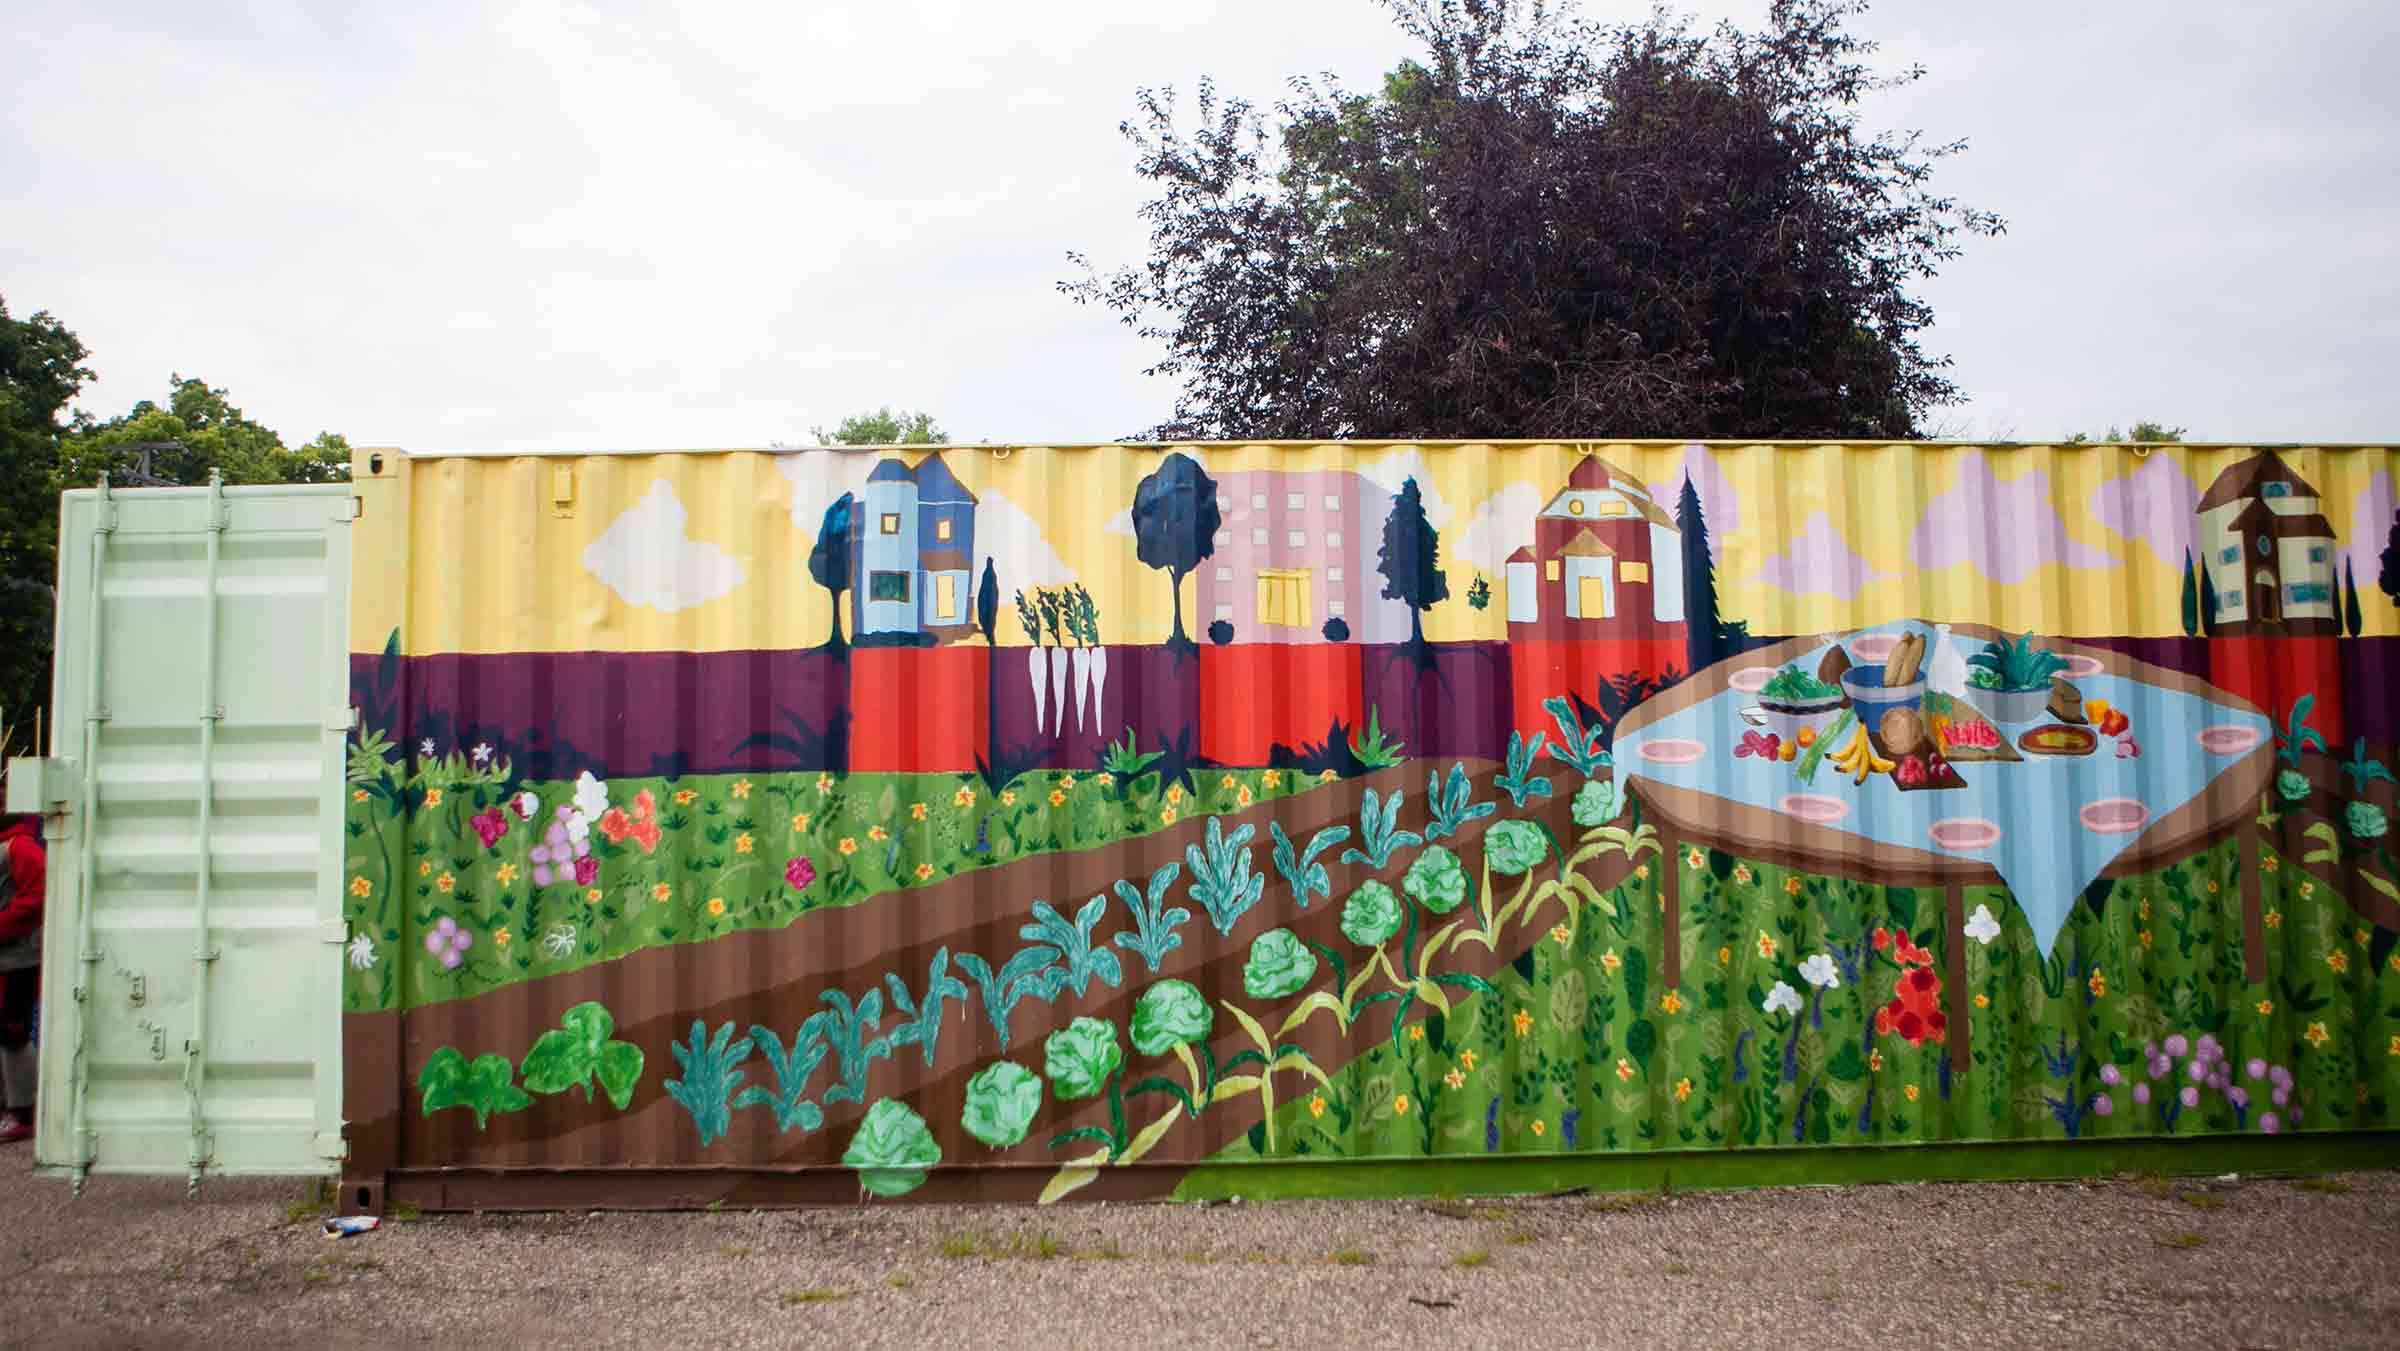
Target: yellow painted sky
{"points": [[479, 554]]}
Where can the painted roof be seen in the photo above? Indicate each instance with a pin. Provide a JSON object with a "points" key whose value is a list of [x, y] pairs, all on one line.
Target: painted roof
{"points": [[1585, 544], [2260, 519], [2246, 478], [1524, 554], [935, 483], [1593, 474]]}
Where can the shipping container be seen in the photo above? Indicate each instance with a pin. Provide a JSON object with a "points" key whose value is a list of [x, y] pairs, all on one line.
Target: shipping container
{"points": [[659, 829]]}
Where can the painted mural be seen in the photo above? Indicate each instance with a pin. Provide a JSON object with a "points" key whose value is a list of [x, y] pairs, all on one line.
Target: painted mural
{"points": [[1411, 802]]}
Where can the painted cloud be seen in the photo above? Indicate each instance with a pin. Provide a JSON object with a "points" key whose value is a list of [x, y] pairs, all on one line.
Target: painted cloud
{"points": [[1393, 470], [2009, 531], [1013, 540], [647, 559], [2156, 504], [1500, 526], [1816, 560], [2371, 518], [1718, 505], [818, 477]]}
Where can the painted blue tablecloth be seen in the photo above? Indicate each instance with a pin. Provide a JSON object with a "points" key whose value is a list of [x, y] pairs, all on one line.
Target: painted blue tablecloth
{"points": [[2045, 853]]}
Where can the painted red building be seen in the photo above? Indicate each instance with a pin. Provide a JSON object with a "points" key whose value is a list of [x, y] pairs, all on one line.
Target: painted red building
{"points": [[1606, 562]]}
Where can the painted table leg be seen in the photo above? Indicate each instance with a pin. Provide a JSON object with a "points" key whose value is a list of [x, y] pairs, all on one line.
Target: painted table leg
{"points": [[1671, 893], [2254, 919], [1955, 962]]}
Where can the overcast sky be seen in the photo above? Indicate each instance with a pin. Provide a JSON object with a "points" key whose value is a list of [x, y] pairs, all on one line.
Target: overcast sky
{"points": [[622, 224]]}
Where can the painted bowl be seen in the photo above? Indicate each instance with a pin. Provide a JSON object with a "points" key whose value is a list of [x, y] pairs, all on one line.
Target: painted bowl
{"points": [[1785, 717], [2013, 705], [1871, 698]]}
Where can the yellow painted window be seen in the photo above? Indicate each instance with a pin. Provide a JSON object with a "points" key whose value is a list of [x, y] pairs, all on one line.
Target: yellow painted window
{"points": [[1614, 507], [1283, 596], [891, 523], [941, 528], [1594, 600], [1550, 570], [1633, 572], [945, 594]]}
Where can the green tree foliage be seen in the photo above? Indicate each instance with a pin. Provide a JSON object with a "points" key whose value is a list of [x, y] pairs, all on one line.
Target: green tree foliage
{"points": [[198, 429], [1545, 225], [1411, 560], [883, 427], [41, 369]]}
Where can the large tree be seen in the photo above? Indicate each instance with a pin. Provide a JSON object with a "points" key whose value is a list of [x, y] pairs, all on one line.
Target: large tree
{"points": [[41, 369], [1547, 226], [197, 430], [1175, 522], [1411, 563], [883, 427]]}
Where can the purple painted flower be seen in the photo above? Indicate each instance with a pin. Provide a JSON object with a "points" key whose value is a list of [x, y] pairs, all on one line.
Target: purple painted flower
{"points": [[2209, 1049], [2238, 1096], [2102, 1104], [2159, 1066], [2281, 1076], [2149, 1050], [799, 873], [2196, 1071], [2176, 1045], [448, 942], [2281, 1095], [586, 869], [2295, 1116], [436, 944], [2109, 1074], [2258, 1068], [2191, 1096], [2141, 1094], [2269, 1124]]}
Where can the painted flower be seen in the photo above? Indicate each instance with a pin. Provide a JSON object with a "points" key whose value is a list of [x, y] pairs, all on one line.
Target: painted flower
{"points": [[1724, 956], [2316, 1035], [1819, 970], [1693, 858], [358, 795], [1596, 803], [1316, 1105], [964, 797], [1610, 961], [525, 805], [916, 811], [1455, 1078], [2212, 886], [2394, 1051], [1175, 794], [1983, 926], [1327, 776], [2307, 889], [482, 752], [1008, 797], [2273, 919], [1371, 915], [1273, 778], [1683, 1090], [1416, 1032], [1559, 934], [1279, 965], [1466, 1060], [2143, 909], [444, 883], [716, 907], [616, 825], [559, 941], [798, 873], [1166, 816], [1057, 798], [924, 871], [743, 844], [2269, 863], [1910, 1091], [1522, 1020], [1766, 944], [1641, 872], [800, 823], [2098, 983], [1875, 1061], [824, 784], [587, 871], [878, 834], [425, 747], [1624, 1068], [2338, 962], [847, 845], [360, 886], [2145, 938], [1399, 1104], [1540, 1126], [1881, 938], [501, 936], [505, 874], [1067, 781], [1670, 1002], [591, 796], [661, 893], [1983, 1001], [362, 957], [433, 797], [1244, 798], [1791, 886], [741, 788], [1782, 999], [1436, 879], [449, 943], [1226, 783], [685, 797], [1741, 873]]}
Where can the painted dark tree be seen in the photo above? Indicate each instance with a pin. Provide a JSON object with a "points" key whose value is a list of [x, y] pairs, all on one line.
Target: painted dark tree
{"points": [[1411, 563], [2388, 577], [2353, 622], [2208, 601], [2191, 598], [1175, 521], [829, 562], [987, 618], [1704, 637]]}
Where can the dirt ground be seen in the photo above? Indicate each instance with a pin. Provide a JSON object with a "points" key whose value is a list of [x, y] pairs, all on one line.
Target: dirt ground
{"points": [[2132, 1263]]}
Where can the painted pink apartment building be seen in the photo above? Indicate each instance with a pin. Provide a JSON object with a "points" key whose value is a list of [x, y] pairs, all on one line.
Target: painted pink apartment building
{"points": [[1296, 549]]}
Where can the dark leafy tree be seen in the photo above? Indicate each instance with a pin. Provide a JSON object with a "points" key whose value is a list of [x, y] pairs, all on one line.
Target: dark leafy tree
{"points": [[1704, 636], [199, 429], [2208, 600], [1479, 592], [1175, 521], [2353, 622], [1547, 226], [41, 369], [2191, 598], [1411, 563], [2387, 576], [987, 618], [829, 562], [1336, 630], [883, 427]]}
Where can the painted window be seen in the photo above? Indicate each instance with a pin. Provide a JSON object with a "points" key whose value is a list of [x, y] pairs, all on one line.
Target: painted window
{"points": [[1258, 537], [890, 524], [887, 585], [1633, 572], [1574, 506], [2232, 554], [941, 529], [1550, 571], [1224, 537], [1333, 501], [1225, 612], [2275, 490], [945, 595], [1615, 506], [1334, 575], [1333, 539], [1295, 501], [1336, 608], [1224, 576], [2316, 553], [1592, 599], [2265, 546], [1258, 501], [1283, 596], [2308, 593], [1295, 539], [2229, 599]]}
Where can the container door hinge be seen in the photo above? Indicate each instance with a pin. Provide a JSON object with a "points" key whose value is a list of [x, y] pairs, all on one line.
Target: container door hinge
{"points": [[333, 931], [331, 1145], [351, 509], [341, 719]]}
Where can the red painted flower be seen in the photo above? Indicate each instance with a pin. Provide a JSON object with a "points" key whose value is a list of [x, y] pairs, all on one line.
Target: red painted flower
{"points": [[647, 835], [616, 825], [1920, 981], [1883, 939], [489, 826], [1938, 1023], [1910, 1026], [799, 872], [587, 869], [1883, 1018]]}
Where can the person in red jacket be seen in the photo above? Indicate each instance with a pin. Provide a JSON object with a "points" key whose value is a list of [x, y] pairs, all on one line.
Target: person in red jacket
{"points": [[20, 971]]}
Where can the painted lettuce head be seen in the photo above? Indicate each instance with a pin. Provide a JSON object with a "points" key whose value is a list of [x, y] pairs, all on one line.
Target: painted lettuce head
{"points": [[1513, 847], [1080, 1056], [1371, 915], [1001, 1101], [1437, 880], [2293, 784], [1279, 965], [1170, 1014], [1597, 803], [2366, 820], [892, 1149]]}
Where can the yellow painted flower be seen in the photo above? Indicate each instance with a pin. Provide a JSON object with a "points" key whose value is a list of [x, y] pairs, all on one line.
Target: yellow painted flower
{"points": [[2144, 908], [2212, 886], [360, 886], [800, 822], [359, 796], [2362, 936], [924, 870], [2144, 935], [1226, 783], [444, 882], [1766, 944], [1741, 873], [964, 797], [1244, 798], [2393, 961], [2269, 863], [1670, 1002], [1911, 1092], [2266, 1008], [848, 845], [1166, 816], [2273, 919], [1316, 1105], [1057, 798], [2307, 889], [1983, 1001], [1416, 1032], [1008, 797], [685, 797], [505, 873], [1455, 1079], [1175, 794], [824, 783], [1875, 1061], [1540, 1126], [741, 788], [743, 844], [661, 893], [1067, 782], [1693, 858], [2098, 983], [592, 896], [1327, 777], [1624, 1068], [1683, 1090], [716, 907], [1273, 778], [1559, 934], [1641, 872], [2316, 1035], [1724, 956], [425, 868], [1400, 1104], [1791, 886], [502, 937], [1466, 1060], [916, 811], [433, 797], [2338, 962], [878, 834], [1523, 1021], [1610, 961], [2395, 1046]]}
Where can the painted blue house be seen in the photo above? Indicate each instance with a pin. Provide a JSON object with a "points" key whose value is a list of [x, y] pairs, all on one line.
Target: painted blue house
{"points": [[914, 546]]}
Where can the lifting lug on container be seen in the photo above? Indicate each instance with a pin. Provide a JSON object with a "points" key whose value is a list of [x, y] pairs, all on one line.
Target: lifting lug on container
{"points": [[140, 986]]}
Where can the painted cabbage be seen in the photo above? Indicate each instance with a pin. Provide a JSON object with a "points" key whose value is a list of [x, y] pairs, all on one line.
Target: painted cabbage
{"points": [[1437, 880], [1371, 915], [1279, 965], [1511, 847], [1171, 1013], [892, 1150], [1080, 1056], [1001, 1101]]}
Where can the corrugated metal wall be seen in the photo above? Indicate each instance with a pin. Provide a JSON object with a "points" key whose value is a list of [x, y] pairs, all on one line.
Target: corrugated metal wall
{"points": [[670, 872]]}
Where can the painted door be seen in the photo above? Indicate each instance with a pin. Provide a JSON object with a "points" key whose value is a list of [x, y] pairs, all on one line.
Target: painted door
{"points": [[193, 943], [2265, 600], [1592, 598], [945, 598]]}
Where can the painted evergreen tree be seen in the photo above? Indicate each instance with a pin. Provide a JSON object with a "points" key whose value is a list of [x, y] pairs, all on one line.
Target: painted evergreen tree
{"points": [[2191, 598], [2353, 622], [1704, 637], [1411, 563], [2208, 600]]}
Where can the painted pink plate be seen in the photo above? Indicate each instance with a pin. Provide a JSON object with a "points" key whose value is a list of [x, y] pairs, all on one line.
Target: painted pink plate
{"points": [[1870, 648], [1965, 832], [2079, 666], [2228, 738], [2114, 816], [1750, 679], [1814, 808], [1673, 751]]}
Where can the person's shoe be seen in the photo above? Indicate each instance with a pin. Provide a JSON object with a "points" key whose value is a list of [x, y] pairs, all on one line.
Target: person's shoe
{"points": [[13, 1129]]}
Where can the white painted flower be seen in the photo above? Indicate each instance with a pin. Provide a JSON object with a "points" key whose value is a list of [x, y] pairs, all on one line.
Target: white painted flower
{"points": [[527, 804], [1820, 971], [1982, 927], [559, 941], [483, 752], [362, 953], [425, 748], [579, 828], [591, 796], [1782, 999]]}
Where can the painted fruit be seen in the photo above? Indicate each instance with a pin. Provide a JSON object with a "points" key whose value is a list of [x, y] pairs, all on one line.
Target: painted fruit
{"points": [[1807, 737], [1791, 751], [1903, 731], [1911, 772]]}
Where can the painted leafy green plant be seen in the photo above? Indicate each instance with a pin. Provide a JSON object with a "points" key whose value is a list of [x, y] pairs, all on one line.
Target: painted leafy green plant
{"points": [[1597, 803], [1078, 958], [483, 1087], [1221, 878], [849, 1029], [1371, 915], [1279, 965], [1081, 1056], [1583, 748], [1513, 847], [1371, 748], [2366, 820], [2363, 769], [1448, 801], [1301, 869], [1379, 832], [1171, 1013], [1155, 922], [921, 1025], [2296, 737], [1125, 762], [787, 1099], [2015, 665], [1002, 1099], [893, 1149], [711, 1073], [1519, 781], [1437, 880], [578, 1050], [1033, 972]]}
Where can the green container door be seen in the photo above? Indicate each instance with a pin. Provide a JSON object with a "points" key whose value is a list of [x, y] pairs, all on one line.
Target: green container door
{"points": [[193, 946]]}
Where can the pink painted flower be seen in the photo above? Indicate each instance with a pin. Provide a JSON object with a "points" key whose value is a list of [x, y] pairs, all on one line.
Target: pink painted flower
{"points": [[799, 873], [489, 826], [586, 869]]}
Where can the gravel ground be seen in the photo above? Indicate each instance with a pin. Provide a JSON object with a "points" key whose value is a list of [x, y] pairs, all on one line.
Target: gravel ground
{"points": [[2134, 1263]]}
